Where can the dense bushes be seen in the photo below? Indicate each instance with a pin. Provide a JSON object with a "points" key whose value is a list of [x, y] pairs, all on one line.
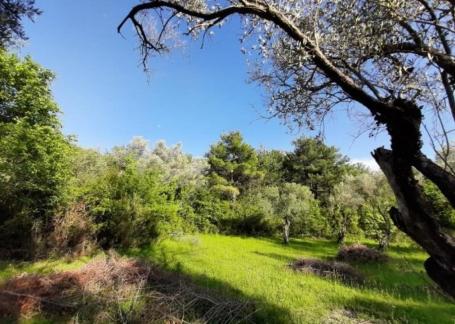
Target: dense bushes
{"points": [[34, 156], [61, 198], [130, 206]]}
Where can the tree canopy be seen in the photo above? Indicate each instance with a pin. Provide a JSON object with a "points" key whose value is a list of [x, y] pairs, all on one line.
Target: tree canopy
{"points": [[233, 162], [315, 165]]}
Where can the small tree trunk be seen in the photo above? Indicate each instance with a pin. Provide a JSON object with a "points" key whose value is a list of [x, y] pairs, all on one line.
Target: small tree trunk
{"points": [[343, 228], [341, 237], [286, 228], [384, 241]]}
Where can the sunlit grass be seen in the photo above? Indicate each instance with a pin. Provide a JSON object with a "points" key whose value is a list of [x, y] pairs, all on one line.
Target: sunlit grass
{"points": [[9, 269], [397, 291], [256, 269]]}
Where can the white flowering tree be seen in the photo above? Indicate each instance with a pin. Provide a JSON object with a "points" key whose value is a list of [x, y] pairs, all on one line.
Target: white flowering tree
{"points": [[391, 58]]}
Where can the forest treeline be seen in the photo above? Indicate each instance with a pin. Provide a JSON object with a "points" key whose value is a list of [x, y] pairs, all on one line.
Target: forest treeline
{"points": [[59, 198]]}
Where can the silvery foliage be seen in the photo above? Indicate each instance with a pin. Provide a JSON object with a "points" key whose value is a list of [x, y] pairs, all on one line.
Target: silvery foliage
{"points": [[358, 37], [170, 161]]}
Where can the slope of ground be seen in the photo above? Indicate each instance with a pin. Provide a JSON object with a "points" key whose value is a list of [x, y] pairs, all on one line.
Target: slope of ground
{"points": [[257, 269], [234, 272]]}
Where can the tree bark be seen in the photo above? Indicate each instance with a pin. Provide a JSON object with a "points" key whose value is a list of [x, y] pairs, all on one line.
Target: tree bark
{"points": [[286, 229], [414, 217]]}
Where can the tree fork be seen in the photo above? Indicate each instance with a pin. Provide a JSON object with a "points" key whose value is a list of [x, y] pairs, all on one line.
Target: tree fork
{"points": [[413, 217]]}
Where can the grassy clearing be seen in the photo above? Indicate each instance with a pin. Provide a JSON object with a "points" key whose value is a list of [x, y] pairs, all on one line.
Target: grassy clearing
{"points": [[256, 269], [251, 268]]}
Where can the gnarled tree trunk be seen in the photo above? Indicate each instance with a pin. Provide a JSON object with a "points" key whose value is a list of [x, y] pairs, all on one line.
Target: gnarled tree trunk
{"points": [[414, 216]]}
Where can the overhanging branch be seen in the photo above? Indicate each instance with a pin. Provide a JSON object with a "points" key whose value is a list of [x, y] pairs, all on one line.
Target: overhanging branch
{"points": [[270, 14]]}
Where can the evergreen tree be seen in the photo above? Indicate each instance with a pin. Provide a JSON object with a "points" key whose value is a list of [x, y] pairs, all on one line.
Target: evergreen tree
{"points": [[233, 164], [316, 165]]}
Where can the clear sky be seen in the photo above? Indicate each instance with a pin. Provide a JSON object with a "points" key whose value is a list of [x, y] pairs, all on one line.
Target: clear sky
{"points": [[190, 97]]}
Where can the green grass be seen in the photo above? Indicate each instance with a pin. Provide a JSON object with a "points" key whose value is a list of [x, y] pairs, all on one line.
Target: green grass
{"points": [[9, 269], [256, 269]]}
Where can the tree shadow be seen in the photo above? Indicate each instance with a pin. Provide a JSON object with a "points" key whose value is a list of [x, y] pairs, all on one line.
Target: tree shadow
{"points": [[398, 312], [275, 256], [393, 278], [60, 297], [265, 312], [320, 248], [406, 249]]}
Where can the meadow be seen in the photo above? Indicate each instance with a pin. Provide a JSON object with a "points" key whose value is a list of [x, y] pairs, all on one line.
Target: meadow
{"points": [[256, 270]]}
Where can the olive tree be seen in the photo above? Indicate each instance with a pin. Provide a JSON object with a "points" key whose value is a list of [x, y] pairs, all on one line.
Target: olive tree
{"points": [[378, 199], [343, 205], [391, 59], [291, 203]]}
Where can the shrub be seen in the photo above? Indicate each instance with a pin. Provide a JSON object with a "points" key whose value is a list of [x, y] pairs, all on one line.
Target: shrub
{"points": [[73, 232], [360, 253], [330, 269]]}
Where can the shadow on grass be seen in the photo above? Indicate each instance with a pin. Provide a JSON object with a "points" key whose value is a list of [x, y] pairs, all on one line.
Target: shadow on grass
{"points": [[402, 278], [61, 297], [265, 311], [406, 249], [402, 312], [279, 257], [320, 248]]}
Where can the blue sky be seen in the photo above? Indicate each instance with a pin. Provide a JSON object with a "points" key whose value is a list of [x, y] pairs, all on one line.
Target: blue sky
{"points": [[190, 97]]}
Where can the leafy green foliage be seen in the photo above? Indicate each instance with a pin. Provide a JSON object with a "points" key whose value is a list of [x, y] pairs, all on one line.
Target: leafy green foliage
{"points": [[315, 165], [233, 163], [135, 193], [34, 163], [25, 92], [271, 163], [130, 206], [442, 208]]}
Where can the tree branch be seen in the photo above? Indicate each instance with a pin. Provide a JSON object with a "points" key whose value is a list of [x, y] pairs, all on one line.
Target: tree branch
{"points": [[269, 13]]}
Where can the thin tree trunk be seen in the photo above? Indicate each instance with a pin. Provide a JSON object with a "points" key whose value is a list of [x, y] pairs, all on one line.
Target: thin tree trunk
{"points": [[343, 228], [341, 237], [286, 228], [384, 242]]}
